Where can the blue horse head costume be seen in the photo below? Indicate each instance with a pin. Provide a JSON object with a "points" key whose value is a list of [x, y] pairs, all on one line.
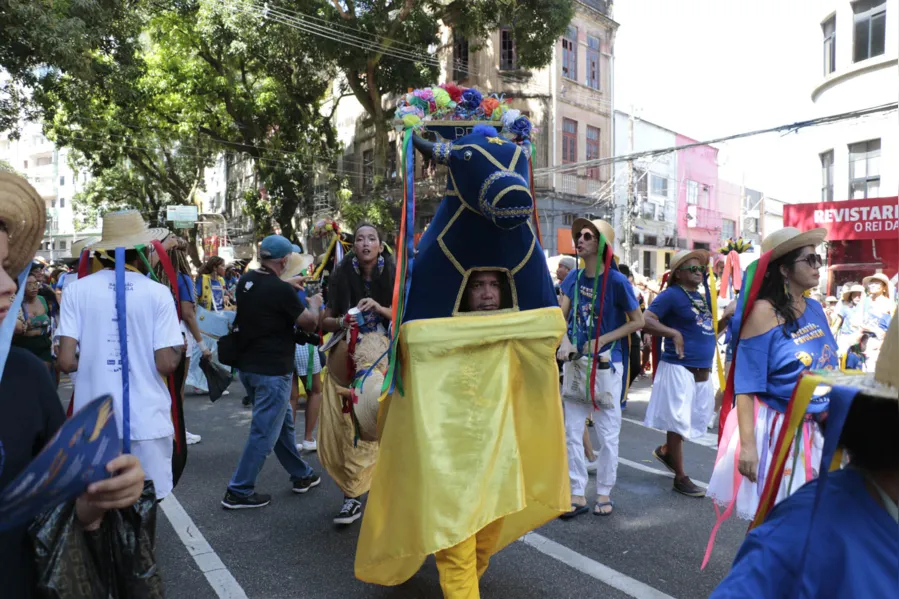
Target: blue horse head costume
{"points": [[482, 223]]}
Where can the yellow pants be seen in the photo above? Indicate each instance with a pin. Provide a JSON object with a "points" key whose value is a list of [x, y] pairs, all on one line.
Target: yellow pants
{"points": [[461, 566]]}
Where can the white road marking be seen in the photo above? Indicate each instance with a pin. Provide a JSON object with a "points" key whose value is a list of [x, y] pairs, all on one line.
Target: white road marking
{"points": [[613, 578], [707, 440], [220, 579], [644, 468]]}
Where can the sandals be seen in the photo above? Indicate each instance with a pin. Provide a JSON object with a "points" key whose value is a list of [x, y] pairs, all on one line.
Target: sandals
{"points": [[601, 504], [576, 510]]}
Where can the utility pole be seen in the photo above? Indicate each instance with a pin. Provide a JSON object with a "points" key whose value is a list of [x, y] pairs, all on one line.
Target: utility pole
{"points": [[630, 200]]}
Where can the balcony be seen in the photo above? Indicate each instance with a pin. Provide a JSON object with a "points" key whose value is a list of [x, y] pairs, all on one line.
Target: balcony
{"points": [[576, 185], [703, 218]]}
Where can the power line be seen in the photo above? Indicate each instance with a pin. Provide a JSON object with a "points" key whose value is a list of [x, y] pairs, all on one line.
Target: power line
{"points": [[792, 127]]}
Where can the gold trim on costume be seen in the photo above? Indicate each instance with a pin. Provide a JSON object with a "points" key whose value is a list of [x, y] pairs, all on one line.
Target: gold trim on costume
{"points": [[467, 274], [443, 245], [530, 250]]}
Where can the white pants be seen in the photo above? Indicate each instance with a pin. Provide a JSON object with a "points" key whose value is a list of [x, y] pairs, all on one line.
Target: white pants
{"points": [[155, 457], [607, 422]]}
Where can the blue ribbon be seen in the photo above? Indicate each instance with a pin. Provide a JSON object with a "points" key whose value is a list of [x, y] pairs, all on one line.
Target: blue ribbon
{"points": [[8, 328], [121, 316]]}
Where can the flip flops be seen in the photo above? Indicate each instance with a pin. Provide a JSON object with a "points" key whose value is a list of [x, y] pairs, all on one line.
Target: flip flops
{"points": [[602, 504], [576, 510]]}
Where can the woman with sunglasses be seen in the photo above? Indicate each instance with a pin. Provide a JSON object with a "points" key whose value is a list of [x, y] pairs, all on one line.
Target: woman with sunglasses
{"points": [[683, 395], [784, 335]]}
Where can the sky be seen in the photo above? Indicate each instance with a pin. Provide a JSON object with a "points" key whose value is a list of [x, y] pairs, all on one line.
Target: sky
{"points": [[710, 68]]}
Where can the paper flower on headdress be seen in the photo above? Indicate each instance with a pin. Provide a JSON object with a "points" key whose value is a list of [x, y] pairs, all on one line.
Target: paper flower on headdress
{"points": [[325, 228], [509, 117], [454, 91], [471, 98], [488, 105], [441, 97], [521, 128], [740, 246]]}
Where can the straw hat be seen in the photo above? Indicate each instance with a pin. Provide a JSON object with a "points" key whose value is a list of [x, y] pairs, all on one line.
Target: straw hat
{"points": [[296, 263], [877, 277], [126, 229], [850, 290], [597, 226], [23, 212], [83, 244], [830, 299], [783, 241], [684, 255]]}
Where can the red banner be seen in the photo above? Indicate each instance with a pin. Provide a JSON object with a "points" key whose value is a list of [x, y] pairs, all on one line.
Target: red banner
{"points": [[876, 218]]}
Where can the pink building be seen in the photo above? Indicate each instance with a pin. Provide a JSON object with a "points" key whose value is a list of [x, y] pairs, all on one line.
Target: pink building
{"points": [[729, 203], [698, 214]]}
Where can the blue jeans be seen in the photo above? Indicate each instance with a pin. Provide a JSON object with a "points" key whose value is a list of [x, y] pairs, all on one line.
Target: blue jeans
{"points": [[271, 428]]}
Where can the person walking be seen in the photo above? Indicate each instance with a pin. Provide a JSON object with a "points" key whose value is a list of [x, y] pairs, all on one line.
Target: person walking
{"points": [[682, 398], [268, 309], [89, 325], [849, 313], [877, 311], [617, 316]]}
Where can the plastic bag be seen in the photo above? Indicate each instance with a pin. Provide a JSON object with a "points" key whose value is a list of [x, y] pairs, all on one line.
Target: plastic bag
{"points": [[117, 561], [217, 378]]}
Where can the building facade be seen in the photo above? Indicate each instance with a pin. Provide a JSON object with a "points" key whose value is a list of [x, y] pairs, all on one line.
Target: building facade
{"points": [[698, 215], [652, 184], [731, 206]]}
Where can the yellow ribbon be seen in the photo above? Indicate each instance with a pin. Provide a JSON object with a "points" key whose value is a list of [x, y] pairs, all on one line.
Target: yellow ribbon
{"points": [[321, 267], [713, 291]]}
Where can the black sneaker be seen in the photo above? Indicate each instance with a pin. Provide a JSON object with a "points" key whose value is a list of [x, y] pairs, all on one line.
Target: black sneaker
{"points": [[350, 512], [236, 502], [306, 483], [687, 487], [246, 401]]}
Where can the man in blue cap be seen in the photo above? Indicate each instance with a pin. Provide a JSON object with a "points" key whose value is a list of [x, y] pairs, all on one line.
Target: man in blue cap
{"points": [[267, 311]]}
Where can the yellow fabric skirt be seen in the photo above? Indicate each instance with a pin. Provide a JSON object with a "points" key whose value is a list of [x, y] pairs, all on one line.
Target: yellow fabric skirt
{"points": [[477, 436], [351, 466]]}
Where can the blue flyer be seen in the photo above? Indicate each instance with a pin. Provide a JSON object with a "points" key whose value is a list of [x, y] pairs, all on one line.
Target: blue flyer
{"points": [[75, 458]]}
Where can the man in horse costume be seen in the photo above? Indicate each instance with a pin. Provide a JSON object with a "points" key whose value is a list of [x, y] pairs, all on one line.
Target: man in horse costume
{"points": [[472, 438]]}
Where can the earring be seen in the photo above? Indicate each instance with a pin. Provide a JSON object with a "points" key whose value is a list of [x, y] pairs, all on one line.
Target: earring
{"points": [[786, 289]]}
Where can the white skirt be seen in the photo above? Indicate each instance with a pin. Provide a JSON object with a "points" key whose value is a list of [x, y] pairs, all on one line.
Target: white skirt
{"points": [[727, 481], [678, 403]]}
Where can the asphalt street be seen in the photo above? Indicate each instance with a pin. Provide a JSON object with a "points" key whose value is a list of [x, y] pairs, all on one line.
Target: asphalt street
{"points": [[652, 546]]}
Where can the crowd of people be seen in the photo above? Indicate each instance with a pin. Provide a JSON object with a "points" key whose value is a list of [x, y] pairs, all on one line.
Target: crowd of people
{"points": [[288, 333]]}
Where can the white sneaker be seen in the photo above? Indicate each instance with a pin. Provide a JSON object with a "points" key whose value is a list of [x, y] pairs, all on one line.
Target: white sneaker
{"points": [[225, 392], [191, 438], [591, 466], [299, 448], [310, 445]]}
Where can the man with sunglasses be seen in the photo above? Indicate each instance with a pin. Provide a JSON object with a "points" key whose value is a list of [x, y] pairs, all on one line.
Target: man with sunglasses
{"points": [[683, 394], [587, 299]]}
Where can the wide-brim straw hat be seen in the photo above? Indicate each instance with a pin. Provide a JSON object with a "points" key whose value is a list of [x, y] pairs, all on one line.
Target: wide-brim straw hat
{"points": [[296, 263], [23, 212], [830, 299], [597, 226], [83, 244], [877, 277], [684, 255], [126, 229], [783, 241], [850, 290]]}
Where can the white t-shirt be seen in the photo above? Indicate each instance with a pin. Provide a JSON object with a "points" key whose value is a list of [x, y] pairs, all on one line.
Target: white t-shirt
{"points": [[88, 315]]}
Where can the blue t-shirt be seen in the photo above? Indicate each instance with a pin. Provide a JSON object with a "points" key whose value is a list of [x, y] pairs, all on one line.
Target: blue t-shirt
{"points": [[186, 288], [876, 314], [854, 361], [687, 312], [852, 547], [847, 313], [620, 300], [768, 365]]}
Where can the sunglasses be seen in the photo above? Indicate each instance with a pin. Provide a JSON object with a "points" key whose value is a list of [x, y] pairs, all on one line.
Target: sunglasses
{"points": [[693, 269], [585, 235], [813, 260]]}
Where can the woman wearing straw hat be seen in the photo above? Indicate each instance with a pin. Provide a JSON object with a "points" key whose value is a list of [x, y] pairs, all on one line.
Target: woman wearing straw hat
{"points": [[783, 335], [26, 426], [683, 396], [836, 537], [849, 314], [877, 311]]}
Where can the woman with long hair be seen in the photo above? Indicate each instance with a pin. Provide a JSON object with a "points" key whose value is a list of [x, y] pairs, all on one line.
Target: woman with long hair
{"points": [[849, 314], [363, 280], [33, 327], [210, 285], [784, 335], [190, 327]]}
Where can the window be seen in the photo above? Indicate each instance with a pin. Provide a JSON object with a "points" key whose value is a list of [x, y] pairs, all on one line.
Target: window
{"points": [[592, 150], [668, 260], [642, 183], [650, 240], [62, 244], [864, 170], [62, 181], [752, 225], [568, 219], [44, 161], [569, 54], [827, 176], [508, 57], [569, 141], [697, 245], [829, 28], [460, 57], [26, 164], [692, 192], [728, 228], [592, 62], [659, 186], [62, 202], [870, 28], [647, 263], [53, 203]]}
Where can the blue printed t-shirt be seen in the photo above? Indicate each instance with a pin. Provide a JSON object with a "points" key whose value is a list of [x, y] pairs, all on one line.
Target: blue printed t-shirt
{"points": [[769, 365], [620, 300], [687, 312], [847, 313], [852, 547]]}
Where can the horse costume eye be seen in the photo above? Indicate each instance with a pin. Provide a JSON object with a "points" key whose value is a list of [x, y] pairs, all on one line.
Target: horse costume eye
{"points": [[467, 155]]}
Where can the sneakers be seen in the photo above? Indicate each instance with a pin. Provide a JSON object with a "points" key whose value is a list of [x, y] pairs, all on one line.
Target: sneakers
{"points": [[310, 445], [687, 487], [306, 483], [246, 401], [191, 438], [350, 512], [235, 502]]}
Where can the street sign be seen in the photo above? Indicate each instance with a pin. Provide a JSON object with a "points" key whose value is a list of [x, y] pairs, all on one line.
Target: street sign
{"points": [[183, 214], [179, 224]]}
